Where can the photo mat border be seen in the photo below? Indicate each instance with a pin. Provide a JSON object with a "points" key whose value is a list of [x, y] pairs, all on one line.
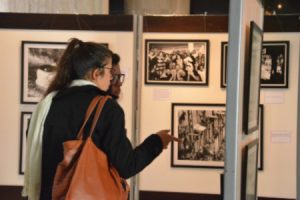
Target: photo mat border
{"points": [[199, 164], [148, 42]]}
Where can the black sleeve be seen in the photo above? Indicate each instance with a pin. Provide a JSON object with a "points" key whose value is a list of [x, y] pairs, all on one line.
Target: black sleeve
{"points": [[116, 145]]}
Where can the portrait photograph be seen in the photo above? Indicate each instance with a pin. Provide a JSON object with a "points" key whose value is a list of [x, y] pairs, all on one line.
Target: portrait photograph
{"points": [[274, 64], [39, 64], [180, 62], [201, 128], [25, 120]]}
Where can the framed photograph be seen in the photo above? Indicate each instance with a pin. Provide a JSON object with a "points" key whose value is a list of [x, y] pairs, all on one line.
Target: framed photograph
{"points": [[25, 120], [180, 62], [201, 127], [252, 79], [39, 62], [224, 53], [274, 66], [260, 164], [249, 171]]}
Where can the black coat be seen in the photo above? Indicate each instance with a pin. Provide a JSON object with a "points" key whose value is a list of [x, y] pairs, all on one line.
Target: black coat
{"points": [[63, 122]]}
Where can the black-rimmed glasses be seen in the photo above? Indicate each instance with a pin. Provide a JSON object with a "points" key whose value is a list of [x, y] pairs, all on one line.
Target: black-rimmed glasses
{"points": [[118, 78]]}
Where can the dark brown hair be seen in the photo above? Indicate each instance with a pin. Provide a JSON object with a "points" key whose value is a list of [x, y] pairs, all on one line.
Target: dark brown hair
{"points": [[115, 59], [77, 60]]}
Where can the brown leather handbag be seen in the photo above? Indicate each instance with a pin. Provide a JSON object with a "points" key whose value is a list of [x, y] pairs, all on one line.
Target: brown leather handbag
{"points": [[85, 173]]}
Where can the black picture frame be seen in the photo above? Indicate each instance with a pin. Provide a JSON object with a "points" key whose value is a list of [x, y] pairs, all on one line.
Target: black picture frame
{"points": [[261, 137], [275, 64], [39, 62], [24, 126], [177, 62], [252, 79], [224, 53], [273, 53], [193, 123], [249, 170]]}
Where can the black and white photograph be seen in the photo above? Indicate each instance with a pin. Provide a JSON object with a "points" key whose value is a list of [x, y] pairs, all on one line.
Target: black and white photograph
{"points": [[25, 120], [252, 79], [181, 62], [274, 66], [201, 128], [39, 63], [249, 171]]}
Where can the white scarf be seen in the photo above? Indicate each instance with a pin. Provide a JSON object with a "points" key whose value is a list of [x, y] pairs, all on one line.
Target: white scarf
{"points": [[33, 165]]}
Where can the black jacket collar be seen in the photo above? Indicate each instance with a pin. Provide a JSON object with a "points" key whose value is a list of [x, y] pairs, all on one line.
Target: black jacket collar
{"points": [[79, 89]]}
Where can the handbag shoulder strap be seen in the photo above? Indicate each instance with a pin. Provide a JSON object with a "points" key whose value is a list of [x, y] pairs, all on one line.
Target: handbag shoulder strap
{"points": [[97, 114], [88, 113]]}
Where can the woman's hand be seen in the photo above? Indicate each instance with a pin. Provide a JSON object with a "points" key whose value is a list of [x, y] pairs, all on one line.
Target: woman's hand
{"points": [[166, 138]]}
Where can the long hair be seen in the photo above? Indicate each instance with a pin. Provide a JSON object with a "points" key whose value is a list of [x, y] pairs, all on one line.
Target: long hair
{"points": [[77, 60]]}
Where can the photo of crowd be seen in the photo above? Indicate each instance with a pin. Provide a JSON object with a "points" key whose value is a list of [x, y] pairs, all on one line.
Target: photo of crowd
{"points": [[176, 62]]}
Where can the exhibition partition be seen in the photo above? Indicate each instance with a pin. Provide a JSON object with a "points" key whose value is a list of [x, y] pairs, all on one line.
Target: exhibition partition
{"points": [[175, 68]]}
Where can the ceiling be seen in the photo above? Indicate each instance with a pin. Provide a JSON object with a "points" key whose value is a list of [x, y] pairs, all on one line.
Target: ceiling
{"points": [[221, 7], [272, 7]]}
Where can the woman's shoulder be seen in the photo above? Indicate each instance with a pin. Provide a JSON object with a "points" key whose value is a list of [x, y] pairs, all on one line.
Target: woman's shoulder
{"points": [[113, 104], [112, 110]]}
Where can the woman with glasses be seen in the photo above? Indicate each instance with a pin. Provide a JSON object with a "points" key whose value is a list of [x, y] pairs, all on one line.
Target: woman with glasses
{"points": [[84, 72]]}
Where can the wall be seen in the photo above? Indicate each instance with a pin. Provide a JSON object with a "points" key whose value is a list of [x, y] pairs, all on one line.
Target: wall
{"points": [[278, 178], [180, 179]]}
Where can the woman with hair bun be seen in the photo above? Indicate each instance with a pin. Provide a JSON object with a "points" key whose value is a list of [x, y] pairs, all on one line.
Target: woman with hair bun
{"points": [[83, 73]]}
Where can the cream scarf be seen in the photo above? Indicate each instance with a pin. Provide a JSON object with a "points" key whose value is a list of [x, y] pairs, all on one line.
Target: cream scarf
{"points": [[33, 165]]}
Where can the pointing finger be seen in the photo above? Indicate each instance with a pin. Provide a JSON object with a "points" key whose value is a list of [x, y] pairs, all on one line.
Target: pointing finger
{"points": [[176, 139]]}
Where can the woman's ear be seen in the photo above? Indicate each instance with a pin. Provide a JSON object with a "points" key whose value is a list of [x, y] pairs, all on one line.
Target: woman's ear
{"points": [[95, 74]]}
